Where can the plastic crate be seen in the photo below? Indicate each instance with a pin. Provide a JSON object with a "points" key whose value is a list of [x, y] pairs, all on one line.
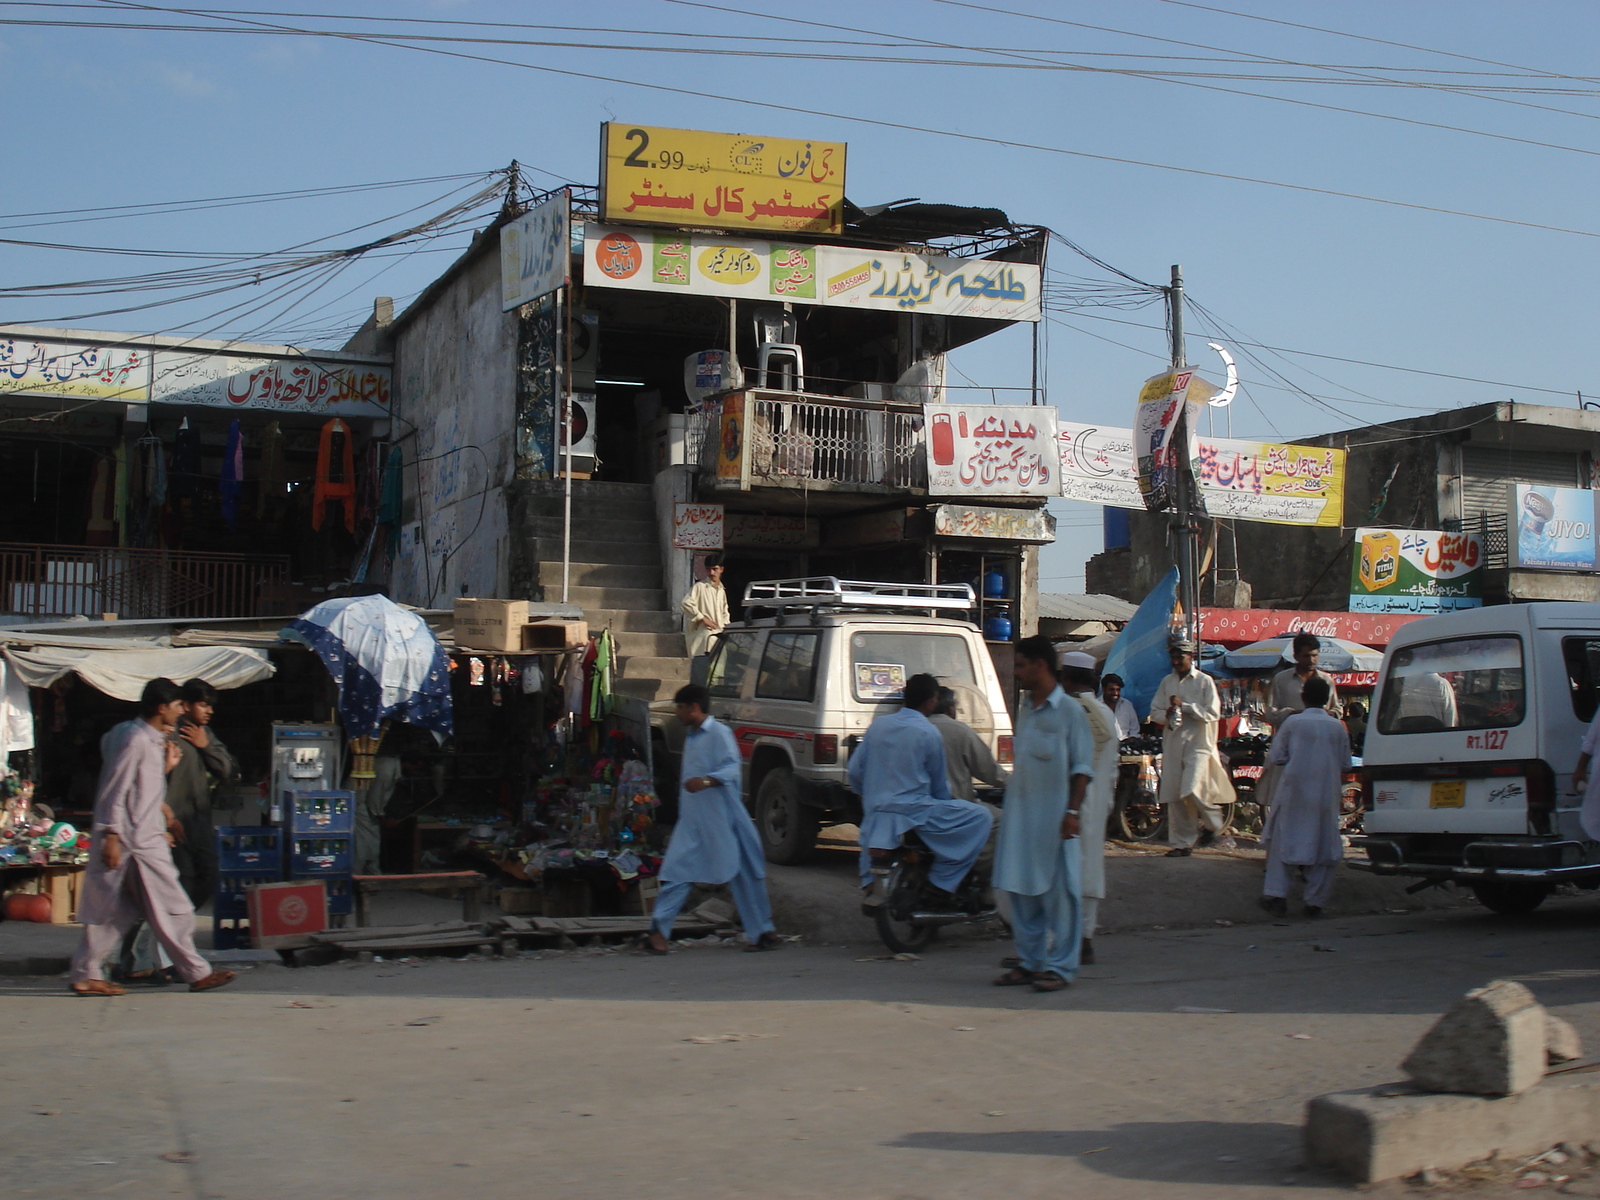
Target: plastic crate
{"points": [[229, 900], [341, 893], [319, 812], [316, 854], [253, 848]]}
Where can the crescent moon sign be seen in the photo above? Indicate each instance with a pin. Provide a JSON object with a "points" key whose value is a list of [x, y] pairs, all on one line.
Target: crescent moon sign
{"points": [[1225, 397]]}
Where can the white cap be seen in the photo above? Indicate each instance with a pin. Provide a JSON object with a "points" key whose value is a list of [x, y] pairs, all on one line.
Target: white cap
{"points": [[1077, 658]]}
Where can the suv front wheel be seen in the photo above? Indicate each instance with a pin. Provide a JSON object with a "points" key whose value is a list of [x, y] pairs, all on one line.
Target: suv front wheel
{"points": [[787, 825]]}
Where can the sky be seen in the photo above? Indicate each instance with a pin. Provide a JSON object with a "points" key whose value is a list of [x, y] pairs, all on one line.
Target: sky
{"points": [[1070, 114]]}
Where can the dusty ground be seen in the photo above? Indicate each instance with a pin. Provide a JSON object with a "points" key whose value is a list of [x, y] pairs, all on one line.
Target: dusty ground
{"points": [[585, 1075]]}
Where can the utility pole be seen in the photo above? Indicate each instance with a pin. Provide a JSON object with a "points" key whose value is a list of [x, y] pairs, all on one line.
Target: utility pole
{"points": [[1182, 527]]}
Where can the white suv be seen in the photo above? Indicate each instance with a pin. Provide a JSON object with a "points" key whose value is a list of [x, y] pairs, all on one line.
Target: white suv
{"points": [[799, 688]]}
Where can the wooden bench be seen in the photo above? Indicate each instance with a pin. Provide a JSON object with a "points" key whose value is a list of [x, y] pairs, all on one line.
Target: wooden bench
{"points": [[466, 884]]}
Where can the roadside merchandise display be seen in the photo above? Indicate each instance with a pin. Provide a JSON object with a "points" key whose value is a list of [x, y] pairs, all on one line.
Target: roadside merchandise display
{"points": [[41, 858]]}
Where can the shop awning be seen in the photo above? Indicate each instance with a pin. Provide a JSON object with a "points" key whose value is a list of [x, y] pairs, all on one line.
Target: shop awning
{"points": [[123, 670], [1239, 626]]}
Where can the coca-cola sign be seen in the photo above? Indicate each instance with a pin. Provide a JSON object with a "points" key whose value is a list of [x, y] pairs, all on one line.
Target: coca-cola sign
{"points": [[1240, 626]]}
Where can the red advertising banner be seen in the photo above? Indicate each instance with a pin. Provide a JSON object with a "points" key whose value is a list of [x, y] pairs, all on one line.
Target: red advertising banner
{"points": [[1241, 626]]}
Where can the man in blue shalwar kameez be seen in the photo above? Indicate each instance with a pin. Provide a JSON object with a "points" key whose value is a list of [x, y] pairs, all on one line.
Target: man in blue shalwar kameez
{"points": [[898, 770], [715, 840], [1037, 860]]}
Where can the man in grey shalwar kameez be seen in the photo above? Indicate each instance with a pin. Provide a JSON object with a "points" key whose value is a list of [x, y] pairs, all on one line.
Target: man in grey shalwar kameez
{"points": [[715, 841], [130, 872], [1038, 858], [1302, 829]]}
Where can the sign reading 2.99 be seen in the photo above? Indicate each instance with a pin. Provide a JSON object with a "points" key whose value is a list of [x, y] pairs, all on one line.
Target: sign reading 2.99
{"points": [[687, 177]]}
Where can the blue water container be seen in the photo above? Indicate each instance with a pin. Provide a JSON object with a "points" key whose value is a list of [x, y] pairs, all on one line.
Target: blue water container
{"points": [[997, 628]]}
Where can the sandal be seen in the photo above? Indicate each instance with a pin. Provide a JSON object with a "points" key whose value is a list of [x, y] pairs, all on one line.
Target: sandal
{"points": [[767, 941], [648, 946], [214, 980], [1016, 977], [97, 987], [1049, 981]]}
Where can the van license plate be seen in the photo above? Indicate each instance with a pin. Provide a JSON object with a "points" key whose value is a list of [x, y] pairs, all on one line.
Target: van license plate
{"points": [[1448, 793]]}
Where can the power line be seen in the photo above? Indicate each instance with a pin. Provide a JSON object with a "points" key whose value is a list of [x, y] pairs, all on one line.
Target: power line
{"points": [[905, 126]]}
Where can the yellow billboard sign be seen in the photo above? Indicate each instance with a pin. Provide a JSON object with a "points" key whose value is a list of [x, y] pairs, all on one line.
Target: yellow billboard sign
{"points": [[688, 177]]}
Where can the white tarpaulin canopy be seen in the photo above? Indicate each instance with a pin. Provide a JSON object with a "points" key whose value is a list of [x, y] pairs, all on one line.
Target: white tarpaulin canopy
{"points": [[122, 671]]}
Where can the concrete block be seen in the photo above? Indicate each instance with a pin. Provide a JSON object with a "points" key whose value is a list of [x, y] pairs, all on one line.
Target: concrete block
{"points": [[1491, 1043], [1561, 1040], [1385, 1132]]}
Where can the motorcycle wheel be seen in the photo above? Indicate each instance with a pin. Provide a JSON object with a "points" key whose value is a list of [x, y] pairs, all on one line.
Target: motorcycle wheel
{"points": [[1351, 812], [1140, 822], [904, 887]]}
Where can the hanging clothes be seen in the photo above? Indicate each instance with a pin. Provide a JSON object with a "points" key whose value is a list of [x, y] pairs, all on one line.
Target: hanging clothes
{"points": [[605, 658], [336, 474], [185, 483], [232, 474], [119, 504], [272, 472], [369, 482], [390, 498], [102, 515]]}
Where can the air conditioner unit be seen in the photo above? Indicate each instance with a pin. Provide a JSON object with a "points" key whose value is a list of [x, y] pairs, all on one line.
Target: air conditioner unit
{"points": [[583, 411]]}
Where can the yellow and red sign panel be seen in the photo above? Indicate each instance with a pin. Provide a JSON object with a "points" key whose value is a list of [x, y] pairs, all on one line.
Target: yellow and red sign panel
{"points": [[694, 179]]}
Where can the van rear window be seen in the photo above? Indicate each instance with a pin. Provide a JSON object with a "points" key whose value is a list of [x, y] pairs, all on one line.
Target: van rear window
{"points": [[1466, 683], [880, 663]]}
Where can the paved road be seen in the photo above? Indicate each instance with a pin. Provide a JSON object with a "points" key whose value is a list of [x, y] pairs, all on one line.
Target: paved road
{"points": [[572, 1075]]}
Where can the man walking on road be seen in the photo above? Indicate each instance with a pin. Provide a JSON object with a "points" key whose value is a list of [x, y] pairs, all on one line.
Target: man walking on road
{"points": [[1078, 678], [131, 873], [1038, 859], [1194, 782], [898, 770], [1284, 700], [1302, 828], [715, 841]]}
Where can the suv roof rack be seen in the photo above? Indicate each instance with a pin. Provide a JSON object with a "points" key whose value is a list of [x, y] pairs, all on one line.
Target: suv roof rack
{"points": [[828, 591]]}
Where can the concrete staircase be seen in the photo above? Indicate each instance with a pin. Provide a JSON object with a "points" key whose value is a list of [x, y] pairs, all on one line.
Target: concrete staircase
{"points": [[616, 580]]}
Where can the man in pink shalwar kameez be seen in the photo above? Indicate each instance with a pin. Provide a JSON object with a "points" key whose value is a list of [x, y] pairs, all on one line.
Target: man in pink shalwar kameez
{"points": [[131, 873]]}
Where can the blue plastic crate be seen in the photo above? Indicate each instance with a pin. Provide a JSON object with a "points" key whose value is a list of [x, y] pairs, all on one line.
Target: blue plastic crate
{"points": [[230, 934], [229, 899], [253, 848], [308, 811], [341, 895], [321, 854]]}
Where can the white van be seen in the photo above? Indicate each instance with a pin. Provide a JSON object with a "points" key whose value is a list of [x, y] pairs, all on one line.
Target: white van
{"points": [[1467, 771]]}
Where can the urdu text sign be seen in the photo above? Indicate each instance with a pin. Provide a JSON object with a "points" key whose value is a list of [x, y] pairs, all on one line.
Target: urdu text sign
{"points": [[689, 177]]}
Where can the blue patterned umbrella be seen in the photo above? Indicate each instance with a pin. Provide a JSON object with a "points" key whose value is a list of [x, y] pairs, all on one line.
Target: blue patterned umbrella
{"points": [[385, 660]]}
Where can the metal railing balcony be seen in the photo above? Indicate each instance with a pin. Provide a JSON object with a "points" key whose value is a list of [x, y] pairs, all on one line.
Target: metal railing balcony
{"points": [[800, 439], [65, 581]]}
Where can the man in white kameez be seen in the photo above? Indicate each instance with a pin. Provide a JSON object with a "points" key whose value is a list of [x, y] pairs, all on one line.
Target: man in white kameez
{"points": [[1302, 830], [1038, 861], [1194, 783], [715, 841], [1284, 700], [1078, 679], [1587, 781], [705, 609], [130, 873], [1121, 707]]}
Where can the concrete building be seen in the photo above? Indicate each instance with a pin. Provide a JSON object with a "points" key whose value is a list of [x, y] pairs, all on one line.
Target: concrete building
{"points": [[829, 466], [1449, 471]]}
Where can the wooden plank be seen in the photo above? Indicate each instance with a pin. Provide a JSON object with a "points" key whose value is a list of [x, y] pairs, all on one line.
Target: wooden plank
{"points": [[379, 932]]}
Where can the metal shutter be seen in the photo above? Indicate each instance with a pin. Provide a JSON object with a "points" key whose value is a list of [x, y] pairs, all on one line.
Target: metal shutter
{"points": [[1485, 471]]}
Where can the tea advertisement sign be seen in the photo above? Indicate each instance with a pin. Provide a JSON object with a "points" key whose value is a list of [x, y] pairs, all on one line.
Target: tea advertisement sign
{"points": [[1415, 571]]}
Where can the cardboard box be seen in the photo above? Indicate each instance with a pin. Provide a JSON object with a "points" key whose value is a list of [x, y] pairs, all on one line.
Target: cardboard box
{"points": [[519, 901], [490, 624], [61, 884], [286, 914], [555, 635]]}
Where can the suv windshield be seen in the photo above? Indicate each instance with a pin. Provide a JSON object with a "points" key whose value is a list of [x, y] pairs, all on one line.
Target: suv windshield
{"points": [[1468, 683], [730, 663], [880, 663]]}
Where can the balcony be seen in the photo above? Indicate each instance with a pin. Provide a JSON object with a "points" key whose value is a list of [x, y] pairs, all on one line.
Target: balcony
{"points": [[808, 442], [65, 581]]}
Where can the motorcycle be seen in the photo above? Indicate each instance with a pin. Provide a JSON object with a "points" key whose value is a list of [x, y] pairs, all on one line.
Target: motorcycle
{"points": [[900, 895], [1137, 814], [1246, 757]]}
